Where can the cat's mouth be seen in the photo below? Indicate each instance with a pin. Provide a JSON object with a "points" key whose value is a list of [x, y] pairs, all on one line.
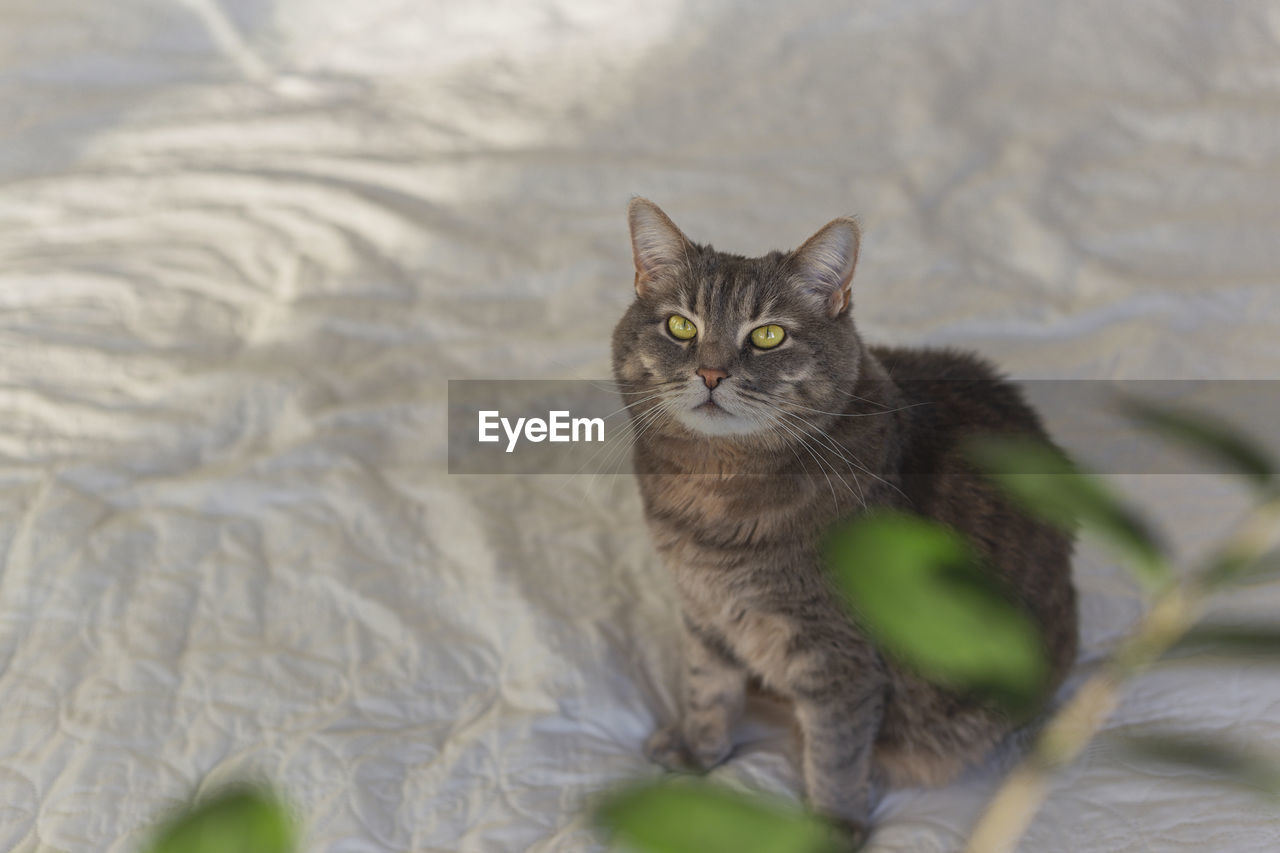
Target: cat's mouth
{"points": [[708, 415]]}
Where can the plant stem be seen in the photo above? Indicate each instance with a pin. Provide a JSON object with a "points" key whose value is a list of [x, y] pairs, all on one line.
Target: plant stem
{"points": [[1065, 736]]}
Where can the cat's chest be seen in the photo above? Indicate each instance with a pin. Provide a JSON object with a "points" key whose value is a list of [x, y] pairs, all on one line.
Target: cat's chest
{"points": [[733, 560], [745, 568], [733, 527], [755, 615]]}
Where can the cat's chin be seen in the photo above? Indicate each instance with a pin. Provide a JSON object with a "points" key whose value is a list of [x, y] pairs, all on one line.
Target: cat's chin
{"points": [[715, 421]]}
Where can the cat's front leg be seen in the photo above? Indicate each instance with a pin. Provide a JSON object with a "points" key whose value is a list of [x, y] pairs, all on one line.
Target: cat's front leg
{"points": [[840, 702], [840, 716], [713, 694]]}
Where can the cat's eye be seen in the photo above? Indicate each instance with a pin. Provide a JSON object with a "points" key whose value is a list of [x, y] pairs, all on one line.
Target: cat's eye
{"points": [[767, 337], [681, 328]]}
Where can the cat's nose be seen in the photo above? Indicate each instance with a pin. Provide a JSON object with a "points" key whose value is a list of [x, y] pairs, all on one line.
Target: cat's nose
{"points": [[711, 375]]}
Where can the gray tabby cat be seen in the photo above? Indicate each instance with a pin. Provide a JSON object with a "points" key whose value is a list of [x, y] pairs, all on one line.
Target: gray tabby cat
{"points": [[762, 418]]}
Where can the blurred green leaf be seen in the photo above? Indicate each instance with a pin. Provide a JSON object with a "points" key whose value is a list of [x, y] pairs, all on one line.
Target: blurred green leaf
{"points": [[1205, 435], [1265, 569], [1227, 640], [238, 820], [1234, 567], [1240, 766], [1046, 483], [920, 592], [690, 816]]}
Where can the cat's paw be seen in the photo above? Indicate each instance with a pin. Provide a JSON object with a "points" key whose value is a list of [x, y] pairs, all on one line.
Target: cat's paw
{"points": [[704, 748], [709, 745], [665, 747]]}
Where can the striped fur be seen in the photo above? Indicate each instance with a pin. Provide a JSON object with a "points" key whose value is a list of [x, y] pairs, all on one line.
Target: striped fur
{"points": [[737, 497]]}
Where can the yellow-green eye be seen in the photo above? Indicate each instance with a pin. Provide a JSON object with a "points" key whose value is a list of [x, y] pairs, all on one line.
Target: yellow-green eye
{"points": [[767, 337], [681, 327]]}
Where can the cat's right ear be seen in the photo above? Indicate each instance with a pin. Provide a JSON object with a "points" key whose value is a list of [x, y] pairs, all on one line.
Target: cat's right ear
{"points": [[825, 264], [656, 243]]}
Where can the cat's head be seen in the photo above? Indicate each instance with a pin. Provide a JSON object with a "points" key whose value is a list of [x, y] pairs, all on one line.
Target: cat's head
{"points": [[734, 346]]}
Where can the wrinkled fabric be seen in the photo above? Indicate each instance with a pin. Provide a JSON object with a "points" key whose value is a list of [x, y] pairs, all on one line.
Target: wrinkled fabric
{"points": [[243, 245]]}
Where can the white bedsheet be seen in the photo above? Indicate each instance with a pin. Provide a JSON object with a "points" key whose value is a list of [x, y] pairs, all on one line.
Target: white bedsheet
{"points": [[244, 243]]}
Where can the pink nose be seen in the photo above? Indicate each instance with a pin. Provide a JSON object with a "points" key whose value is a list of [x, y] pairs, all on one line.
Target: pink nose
{"points": [[711, 376]]}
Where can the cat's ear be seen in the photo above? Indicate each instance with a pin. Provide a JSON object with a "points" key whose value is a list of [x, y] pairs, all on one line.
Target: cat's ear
{"points": [[823, 266], [657, 244]]}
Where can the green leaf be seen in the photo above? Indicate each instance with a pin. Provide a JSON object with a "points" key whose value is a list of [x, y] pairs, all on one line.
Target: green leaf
{"points": [[689, 816], [919, 591], [236, 820], [1221, 759], [1236, 567], [1046, 483], [1265, 569], [1205, 435], [1236, 640]]}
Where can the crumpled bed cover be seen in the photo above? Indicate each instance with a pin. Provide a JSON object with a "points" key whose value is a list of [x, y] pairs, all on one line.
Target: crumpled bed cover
{"points": [[244, 244]]}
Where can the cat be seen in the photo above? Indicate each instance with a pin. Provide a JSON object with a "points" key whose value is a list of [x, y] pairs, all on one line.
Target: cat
{"points": [[762, 418]]}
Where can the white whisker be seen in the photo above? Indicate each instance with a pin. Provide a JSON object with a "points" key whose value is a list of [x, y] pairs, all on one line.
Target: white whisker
{"points": [[838, 414], [803, 428]]}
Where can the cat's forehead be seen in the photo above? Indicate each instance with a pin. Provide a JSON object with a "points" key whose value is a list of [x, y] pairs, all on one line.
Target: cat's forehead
{"points": [[722, 288]]}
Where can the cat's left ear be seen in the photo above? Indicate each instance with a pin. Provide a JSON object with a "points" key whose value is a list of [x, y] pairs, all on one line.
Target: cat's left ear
{"points": [[823, 266]]}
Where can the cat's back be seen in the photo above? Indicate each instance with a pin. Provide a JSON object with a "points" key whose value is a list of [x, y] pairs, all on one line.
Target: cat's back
{"points": [[952, 394]]}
